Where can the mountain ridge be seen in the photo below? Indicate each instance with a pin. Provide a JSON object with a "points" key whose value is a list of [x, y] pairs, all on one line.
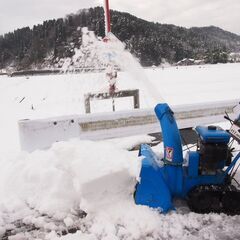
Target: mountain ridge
{"points": [[152, 43]]}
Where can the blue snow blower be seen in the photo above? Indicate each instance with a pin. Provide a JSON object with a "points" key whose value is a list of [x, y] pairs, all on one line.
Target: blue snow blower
{"points": [[203, 179]]}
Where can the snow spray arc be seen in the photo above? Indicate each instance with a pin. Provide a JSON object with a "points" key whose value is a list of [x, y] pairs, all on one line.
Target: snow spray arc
{"points": [[117, 54]]}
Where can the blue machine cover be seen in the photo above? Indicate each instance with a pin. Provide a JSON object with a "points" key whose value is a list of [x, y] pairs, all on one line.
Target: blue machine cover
{"points": [[213, 134]]}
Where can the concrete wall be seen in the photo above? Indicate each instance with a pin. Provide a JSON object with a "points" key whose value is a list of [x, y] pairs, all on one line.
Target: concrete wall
{"points": [[42, 133]]}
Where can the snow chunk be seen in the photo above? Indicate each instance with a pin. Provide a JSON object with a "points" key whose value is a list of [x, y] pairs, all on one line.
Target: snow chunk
{"points": [[66, 177]]}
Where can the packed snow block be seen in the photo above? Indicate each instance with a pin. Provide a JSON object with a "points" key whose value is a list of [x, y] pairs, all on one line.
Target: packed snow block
{"points": [[65, 179], [107, 190]]}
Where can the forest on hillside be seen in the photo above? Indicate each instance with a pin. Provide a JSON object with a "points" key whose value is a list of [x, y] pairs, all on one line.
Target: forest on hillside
{"points": [[150, 42]]}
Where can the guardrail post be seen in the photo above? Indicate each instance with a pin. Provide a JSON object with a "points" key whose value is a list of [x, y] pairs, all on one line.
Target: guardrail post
{"points": [[87, 103], [136, 99]]}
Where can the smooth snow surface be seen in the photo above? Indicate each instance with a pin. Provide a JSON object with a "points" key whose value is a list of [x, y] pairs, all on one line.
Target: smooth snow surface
{"points": [[52, 189]]}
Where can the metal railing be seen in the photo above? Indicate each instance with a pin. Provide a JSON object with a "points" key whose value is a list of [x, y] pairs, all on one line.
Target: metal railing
{"points": [[106, 95]]}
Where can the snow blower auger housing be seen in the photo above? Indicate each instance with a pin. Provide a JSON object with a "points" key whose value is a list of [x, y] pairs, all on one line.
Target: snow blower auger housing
{"points": [[203, 179]]}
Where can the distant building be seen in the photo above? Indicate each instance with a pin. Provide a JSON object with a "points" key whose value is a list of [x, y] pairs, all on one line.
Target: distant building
{"points": [[190, 61], [185, 62], [3, 72], [199, 62], [234, 57]]}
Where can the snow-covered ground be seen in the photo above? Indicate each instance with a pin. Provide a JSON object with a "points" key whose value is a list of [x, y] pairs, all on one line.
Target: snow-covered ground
{"points": [[46, 96], [49, 191]]}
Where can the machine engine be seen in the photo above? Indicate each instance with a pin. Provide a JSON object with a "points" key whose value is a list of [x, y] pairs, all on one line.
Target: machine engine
{"points": [[212, 146]]}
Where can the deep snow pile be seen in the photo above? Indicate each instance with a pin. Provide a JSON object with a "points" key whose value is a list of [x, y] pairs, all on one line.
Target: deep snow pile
{"points": [[48, 193], [69, 178]]}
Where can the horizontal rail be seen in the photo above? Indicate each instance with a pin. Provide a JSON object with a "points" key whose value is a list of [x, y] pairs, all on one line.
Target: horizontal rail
{"points": [[42, 133]]}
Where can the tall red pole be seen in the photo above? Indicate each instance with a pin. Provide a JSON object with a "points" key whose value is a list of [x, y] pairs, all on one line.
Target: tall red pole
{"points": [[107, 17]]}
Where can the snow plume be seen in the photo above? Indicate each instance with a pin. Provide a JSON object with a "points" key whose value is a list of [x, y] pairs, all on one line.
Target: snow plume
{"points": [[95, 54], [86, 57]]}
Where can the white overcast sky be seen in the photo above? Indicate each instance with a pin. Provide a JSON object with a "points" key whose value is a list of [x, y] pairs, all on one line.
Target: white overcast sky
{"points": [[222, 13]]}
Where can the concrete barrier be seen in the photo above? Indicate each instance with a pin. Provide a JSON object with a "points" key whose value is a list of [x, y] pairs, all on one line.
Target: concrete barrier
{"points": [[41, 133]]}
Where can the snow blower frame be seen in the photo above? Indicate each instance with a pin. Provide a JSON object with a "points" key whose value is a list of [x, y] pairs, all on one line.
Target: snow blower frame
{"points": [[203, 179]]}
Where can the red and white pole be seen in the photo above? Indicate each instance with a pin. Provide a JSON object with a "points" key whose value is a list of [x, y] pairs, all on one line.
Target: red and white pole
{"points": [[107, 17]]}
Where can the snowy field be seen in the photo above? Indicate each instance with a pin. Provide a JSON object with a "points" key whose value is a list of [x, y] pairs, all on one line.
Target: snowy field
{"points": [[46, 193]]}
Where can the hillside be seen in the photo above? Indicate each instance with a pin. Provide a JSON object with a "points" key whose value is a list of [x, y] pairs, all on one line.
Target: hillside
{"points": [[47, 43]]}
